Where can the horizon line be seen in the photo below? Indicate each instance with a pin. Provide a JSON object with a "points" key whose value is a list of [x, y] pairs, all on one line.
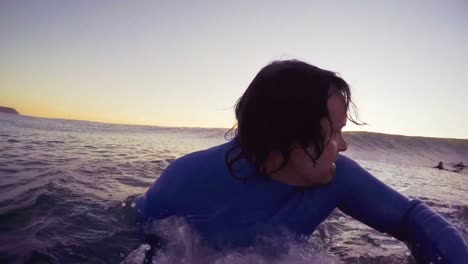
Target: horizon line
{"points": [[227, 128]]}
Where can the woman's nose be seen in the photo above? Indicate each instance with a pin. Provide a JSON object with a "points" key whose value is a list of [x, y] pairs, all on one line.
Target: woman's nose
{"points": [[343, 146]]}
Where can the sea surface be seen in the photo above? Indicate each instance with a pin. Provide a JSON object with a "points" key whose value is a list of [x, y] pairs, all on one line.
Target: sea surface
{"points": [[64, 186]]}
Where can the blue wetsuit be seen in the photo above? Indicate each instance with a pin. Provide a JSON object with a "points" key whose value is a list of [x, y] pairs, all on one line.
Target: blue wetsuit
{"points": [[230, 212]]}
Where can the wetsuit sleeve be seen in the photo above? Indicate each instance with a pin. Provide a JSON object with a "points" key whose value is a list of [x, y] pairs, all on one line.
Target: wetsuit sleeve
{"points": [[158, 201], [428, 235]]}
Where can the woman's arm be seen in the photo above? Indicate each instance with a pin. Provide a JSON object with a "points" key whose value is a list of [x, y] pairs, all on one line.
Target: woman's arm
{"points": [[429, 236]]}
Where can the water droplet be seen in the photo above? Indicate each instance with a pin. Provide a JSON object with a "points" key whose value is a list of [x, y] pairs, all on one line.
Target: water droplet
{"points": [[439, 258], [139, 210], [133, 204], [123, 204], [122, 255]]}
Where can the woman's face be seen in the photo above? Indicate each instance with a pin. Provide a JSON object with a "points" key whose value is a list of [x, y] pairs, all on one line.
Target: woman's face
{"points": [[300, 169]]}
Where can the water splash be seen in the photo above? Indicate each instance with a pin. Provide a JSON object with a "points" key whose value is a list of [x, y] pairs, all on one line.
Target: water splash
{"points": [[182, 245]]}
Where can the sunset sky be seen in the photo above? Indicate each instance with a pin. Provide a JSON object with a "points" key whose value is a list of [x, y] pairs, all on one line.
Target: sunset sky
{"points": [[185, 63]]}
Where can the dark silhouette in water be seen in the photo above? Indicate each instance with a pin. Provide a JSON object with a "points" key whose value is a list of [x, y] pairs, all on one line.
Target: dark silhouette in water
{"points": [[440, 166], [459, 167]]}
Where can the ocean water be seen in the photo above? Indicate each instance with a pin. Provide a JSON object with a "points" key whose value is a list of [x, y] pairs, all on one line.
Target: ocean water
{"points": [[64, 186]]}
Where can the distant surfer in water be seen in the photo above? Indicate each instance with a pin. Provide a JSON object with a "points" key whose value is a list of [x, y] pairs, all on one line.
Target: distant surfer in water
{"points": [[440, 166], [459, 167], [282, 172]]}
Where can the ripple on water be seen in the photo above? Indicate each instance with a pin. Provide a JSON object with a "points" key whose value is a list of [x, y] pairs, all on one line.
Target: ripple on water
{"points": [[8, 170]]}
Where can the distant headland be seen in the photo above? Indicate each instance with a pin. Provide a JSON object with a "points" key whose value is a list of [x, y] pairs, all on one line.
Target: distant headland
{"points": [[8, 110]]}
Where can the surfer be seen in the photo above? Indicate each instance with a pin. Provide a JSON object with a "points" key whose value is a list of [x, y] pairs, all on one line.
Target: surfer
{"points": [[440, 166], [282, 172], [459, 167]]}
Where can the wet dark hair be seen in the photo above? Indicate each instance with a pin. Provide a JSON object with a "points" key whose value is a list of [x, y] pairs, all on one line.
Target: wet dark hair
{"points": [[281, 109]]}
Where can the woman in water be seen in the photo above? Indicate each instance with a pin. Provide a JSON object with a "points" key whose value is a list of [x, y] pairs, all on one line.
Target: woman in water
{"points": [[283, 171]]}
